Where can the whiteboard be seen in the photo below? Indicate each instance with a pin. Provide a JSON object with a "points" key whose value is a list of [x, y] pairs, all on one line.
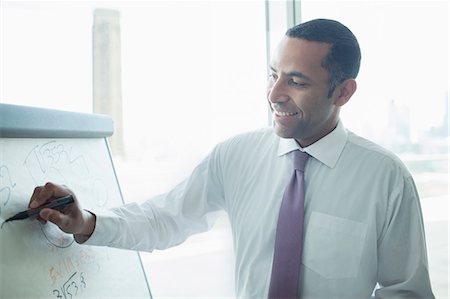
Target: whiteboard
{"points": [[40, 261]]}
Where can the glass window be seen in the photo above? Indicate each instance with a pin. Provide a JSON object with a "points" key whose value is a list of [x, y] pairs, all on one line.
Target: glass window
{"points": [[193, 74], [191, 78], [402, 99], [46, 55]]}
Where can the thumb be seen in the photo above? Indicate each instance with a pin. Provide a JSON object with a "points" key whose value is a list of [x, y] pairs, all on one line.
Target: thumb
{"points": [[52, 216]]}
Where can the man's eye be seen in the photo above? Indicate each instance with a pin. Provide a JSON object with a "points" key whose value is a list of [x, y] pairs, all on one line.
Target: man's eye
{"points": [[273, 76], [297, 83]]}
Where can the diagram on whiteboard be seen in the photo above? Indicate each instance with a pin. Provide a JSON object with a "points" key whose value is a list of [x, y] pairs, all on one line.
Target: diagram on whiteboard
{"points": [[41, 261], [54, 161], [7, 184], [46, 162]]}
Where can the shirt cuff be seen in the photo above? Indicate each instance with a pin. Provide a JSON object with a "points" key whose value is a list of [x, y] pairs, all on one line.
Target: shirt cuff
{"points": [[105, 221]]}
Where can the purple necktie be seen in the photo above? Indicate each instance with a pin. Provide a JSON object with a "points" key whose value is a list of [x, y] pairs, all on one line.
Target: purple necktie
{"points": [[289, 235]]}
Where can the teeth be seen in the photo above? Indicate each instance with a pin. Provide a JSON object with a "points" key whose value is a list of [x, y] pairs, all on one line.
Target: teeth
{"points": [[286, 113]]}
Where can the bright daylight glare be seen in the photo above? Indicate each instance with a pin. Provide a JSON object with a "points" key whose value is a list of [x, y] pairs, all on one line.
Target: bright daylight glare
{"points": [[193, 73]]}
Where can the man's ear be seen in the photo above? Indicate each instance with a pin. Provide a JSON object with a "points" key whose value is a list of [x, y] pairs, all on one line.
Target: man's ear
{"points": [[344, 92]]}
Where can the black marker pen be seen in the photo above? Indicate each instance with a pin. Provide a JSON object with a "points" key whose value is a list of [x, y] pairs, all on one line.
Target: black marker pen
{"points": [[55, 204]]}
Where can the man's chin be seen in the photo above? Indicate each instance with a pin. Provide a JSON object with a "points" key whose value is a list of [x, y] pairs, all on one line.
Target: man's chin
{"points": [[283, 133]]}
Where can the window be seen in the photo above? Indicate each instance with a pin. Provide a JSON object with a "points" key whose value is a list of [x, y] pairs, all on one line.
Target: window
{"points": [[191, 78], [193, 74], [402, 99]]}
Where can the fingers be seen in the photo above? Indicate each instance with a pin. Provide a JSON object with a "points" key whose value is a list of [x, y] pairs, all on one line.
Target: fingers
{"points": [[55, 217], [52, 216], [69, 219], [42, 194], [36, 192]]}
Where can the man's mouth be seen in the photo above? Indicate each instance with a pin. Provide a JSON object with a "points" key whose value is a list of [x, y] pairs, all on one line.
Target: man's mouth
{"points": [[280, 113]]}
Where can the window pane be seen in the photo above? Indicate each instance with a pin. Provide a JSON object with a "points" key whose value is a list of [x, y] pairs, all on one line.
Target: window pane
{"points": [[46, 55], [191, 78], [193, 74], [402, 98]]}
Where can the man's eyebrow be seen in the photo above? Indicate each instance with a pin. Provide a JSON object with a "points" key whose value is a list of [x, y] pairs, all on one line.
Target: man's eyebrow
{"points": [[294, 74], [299, 75]]}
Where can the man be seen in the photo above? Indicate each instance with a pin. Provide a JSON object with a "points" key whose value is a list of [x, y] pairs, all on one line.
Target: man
{"points": [[362, 222]]}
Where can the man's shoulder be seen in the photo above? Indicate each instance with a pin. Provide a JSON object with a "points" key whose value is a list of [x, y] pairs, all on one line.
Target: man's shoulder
{"points": [[372, 153], [367, 145], [252, 138], [251, 142]]}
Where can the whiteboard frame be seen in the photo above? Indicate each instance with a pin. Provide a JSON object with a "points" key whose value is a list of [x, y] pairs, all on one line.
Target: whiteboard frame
{"points": [[123, 202], [33, 122]]}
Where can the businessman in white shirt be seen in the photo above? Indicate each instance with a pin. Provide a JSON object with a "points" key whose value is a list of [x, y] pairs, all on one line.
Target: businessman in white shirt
{"points": [[362, 223]]}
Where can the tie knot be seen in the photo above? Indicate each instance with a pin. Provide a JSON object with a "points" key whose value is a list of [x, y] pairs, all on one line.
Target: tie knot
{"points": [[300, 159]]}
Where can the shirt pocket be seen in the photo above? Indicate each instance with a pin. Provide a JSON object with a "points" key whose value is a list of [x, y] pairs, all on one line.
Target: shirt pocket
{"points": [[333, 246]]}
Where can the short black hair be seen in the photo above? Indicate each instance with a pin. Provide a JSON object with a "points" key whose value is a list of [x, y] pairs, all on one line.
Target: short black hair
{"points": [[344, 57]]}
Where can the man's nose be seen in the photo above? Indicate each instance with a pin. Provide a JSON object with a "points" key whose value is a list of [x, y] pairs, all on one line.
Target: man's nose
{"points": [[277, 93]]}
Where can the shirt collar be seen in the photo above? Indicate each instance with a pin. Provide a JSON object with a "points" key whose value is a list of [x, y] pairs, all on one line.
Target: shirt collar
{"points": [[327, 149]]}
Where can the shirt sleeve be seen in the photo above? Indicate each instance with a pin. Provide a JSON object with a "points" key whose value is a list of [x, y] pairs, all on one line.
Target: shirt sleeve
{"points": [[165, 220], [402, 265]]}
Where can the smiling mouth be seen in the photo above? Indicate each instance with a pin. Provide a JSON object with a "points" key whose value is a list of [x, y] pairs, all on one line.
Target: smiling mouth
{"points": [[279, 113]]}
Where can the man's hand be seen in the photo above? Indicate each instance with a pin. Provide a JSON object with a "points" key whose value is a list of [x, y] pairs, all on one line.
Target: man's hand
{"points": [[71, 219]]}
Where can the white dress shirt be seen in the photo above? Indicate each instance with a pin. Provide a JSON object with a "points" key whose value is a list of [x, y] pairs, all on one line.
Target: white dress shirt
{"points": [[363, 221]]}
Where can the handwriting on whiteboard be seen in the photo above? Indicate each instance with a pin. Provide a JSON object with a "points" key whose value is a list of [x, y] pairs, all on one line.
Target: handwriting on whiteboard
{"points": [[72, 287], [49, 159], [54, 161], [55, 236], [68, 263], [6, 186]]}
